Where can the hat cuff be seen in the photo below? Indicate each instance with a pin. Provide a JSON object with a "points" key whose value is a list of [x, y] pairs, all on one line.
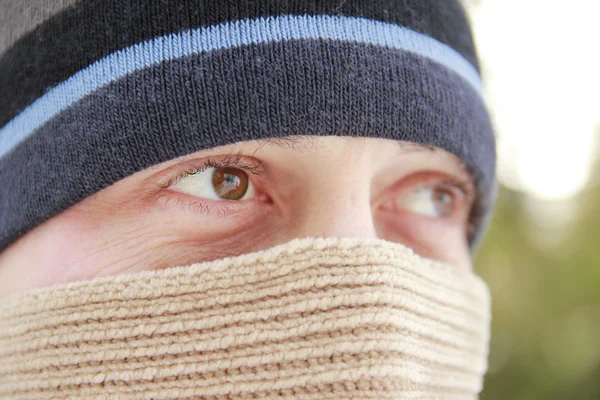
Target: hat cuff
{"points": [[163, 99]]}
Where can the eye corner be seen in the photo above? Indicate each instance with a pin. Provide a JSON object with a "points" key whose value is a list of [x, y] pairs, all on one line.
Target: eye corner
{"points": [[191, 184], [411, 194]]}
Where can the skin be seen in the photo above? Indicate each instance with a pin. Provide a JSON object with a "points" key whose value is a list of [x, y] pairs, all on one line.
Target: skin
{"points": [[303, 186]]}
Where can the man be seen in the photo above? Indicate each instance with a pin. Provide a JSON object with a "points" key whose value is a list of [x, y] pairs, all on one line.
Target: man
{"points": [[245, 199]]}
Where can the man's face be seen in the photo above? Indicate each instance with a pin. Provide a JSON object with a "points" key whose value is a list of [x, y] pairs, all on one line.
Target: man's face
{"points": [[250, 196]]}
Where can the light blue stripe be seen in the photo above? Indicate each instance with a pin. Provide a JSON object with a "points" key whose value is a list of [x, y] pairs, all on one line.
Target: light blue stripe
{"points": [[227, 35]]}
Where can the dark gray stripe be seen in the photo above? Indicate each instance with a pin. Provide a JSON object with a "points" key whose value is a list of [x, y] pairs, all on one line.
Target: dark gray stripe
{"points": [[304, 87], [92, 29], [19, 17]]}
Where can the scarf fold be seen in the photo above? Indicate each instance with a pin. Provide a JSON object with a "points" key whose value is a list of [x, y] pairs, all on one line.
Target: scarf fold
{"points": [[309, 319]]}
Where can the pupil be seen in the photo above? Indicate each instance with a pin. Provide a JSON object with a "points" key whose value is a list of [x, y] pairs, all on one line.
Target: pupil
{"points": [[443, 203], [230, 183]]}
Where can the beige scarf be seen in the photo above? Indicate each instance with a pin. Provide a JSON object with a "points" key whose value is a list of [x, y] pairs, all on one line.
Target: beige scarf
{"points": [[309, 319]]}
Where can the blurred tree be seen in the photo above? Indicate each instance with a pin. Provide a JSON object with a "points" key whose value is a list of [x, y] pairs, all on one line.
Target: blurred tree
{"points": [[545, 284]]}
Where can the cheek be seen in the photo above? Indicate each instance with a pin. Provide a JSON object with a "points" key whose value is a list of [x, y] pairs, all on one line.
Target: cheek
{"points": [[41, 257], [83, 243], [71, 246], [80, 244], [169, 242], [427, 237]]}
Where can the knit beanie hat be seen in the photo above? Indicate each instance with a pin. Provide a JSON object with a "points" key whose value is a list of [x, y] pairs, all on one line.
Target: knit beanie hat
{"points": [[93, 91]]}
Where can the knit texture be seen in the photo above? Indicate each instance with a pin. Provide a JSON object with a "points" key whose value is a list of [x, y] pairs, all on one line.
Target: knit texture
{"points": [[310, 319], [18, 18], [89, 30], [94, 91]]}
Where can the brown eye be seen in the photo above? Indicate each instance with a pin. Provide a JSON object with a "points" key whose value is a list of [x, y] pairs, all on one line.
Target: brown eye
{"points": [[431, 201], [444, 202], [219, 183], [230, 183]]}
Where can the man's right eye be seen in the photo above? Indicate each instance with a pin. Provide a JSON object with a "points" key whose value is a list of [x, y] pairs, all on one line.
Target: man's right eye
{"points": [[216, 183]]}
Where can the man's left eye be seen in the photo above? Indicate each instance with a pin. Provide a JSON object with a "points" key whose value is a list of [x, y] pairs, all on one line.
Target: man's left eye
{"points": [[219, 183], [436, 201]]}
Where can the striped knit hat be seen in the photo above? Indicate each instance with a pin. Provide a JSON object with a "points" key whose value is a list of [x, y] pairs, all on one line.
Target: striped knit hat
{"points": [[93, 91]]}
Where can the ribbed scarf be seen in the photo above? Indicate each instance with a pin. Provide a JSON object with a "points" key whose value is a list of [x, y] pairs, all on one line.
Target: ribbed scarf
{"points": [[309, 319]]}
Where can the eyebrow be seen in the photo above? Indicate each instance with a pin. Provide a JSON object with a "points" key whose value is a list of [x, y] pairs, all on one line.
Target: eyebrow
{"points": [[290, 142], [412, 146], [294, 142]]}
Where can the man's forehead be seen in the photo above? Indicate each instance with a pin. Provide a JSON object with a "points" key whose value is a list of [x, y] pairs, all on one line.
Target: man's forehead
{"points": [[301, 142]]}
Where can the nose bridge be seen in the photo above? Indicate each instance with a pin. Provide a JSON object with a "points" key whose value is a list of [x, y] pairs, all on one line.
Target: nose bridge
{"points": [[338, 209]]}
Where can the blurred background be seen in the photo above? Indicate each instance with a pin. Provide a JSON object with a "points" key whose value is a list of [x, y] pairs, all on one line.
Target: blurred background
{"points": [[541, 258]]}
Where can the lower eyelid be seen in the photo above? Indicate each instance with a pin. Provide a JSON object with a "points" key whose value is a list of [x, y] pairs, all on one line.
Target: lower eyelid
{"points": [[171, 198], [412, 226], [213, 208]]}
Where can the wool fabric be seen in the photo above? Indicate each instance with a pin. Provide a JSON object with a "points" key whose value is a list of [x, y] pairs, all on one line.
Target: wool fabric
{"points": [[93, 91], [314, 318]]}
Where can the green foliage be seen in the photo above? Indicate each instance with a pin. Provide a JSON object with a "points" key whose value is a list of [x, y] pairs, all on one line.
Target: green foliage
{"points": [[544, 276]]}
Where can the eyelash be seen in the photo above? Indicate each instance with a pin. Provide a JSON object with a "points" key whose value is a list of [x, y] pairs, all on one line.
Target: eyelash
{"points": [[256, 168], [465, 187], [237, 160], [466, 198]]}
